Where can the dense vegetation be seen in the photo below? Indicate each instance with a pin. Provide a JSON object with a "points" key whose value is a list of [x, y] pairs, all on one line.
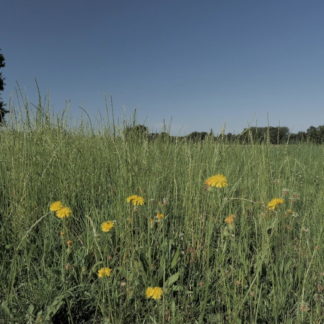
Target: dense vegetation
{"points": [[220, 255], [270, 135], [3, 111]]}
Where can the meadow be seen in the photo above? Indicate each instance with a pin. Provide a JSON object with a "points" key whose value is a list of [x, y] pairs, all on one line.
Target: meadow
{"points": [[183, 250]]}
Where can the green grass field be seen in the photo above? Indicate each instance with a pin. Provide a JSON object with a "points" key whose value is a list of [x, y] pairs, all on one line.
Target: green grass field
{"points": [[261, 266]]}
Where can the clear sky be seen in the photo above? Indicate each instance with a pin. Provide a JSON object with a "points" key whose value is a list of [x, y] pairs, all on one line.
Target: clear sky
{"points": [[199, 64]]}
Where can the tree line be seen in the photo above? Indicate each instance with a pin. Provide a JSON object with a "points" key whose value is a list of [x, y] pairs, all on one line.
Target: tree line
{"points": [[271, 135], [257, 135]]}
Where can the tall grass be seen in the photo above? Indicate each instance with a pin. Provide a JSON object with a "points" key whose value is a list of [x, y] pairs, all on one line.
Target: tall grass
{"points": [[266, 268]]}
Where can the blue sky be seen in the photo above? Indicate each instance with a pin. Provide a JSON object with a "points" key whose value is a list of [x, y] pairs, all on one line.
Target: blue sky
{"points": [[195, 64]]}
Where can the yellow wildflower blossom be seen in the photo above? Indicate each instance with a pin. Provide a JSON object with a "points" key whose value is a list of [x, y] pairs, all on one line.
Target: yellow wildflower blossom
{"points": [[55, 206], [107, 226], [64, 212], [104, 272], [218, 181], [272, 204], [136, 200], [154, 292]]}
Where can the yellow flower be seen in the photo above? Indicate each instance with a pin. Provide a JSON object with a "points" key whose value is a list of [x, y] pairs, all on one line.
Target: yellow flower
{"points": [[64, 212], [104, 272], [107, 226], [218, 181], [56, 205], [154, 292], [160, 216], [229, 219], [136, 200], [272, 204]]}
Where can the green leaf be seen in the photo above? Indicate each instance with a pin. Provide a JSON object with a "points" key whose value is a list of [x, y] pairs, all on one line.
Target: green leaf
{"points": [[175, 259], [177, 288], [172, 279]]}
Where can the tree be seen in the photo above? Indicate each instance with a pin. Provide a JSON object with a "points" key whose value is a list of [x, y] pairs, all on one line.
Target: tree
{"points": [[312, 134], [3, 111], [320, 131], [253, 135], [316, 134], [136, 132], [272, 135], [163, 136], [277, 135], [197, 136]]}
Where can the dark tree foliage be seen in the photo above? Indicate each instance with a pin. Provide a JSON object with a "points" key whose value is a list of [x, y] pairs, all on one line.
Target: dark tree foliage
{"points": [[315, 134], [159, 136], [229, 138], [136, 132], [320, 130], [255, 135], [297, 137], [197, 136], [312, 134], [3, 111], [272, 135]]}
